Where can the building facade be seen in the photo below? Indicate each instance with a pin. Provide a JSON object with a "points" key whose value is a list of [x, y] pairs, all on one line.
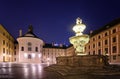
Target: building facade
{"points": [[29, 47], [51, 51], [106, 41], [6, 45]]}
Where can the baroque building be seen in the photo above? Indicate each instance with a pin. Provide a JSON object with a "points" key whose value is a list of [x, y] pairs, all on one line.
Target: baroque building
{"points": [[29, 47], [106, 41], [6, 45]]}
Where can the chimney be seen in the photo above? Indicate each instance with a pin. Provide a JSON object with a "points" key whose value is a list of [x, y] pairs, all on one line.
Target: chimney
{"points": [[20, 33], [91, 32]]}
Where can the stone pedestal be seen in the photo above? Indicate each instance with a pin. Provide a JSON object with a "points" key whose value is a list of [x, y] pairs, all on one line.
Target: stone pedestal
{"points": [[88, 61]]}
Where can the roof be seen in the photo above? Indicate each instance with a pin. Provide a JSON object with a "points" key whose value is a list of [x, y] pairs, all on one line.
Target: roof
{"points": [[59, 46], [29, 33], [105, 27]]}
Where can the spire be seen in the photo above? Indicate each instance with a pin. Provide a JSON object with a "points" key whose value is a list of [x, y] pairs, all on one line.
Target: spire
{"points": [[30, 28]]}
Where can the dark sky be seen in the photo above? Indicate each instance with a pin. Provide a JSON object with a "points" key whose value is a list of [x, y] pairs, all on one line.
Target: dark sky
{"points": [[53, 20]]}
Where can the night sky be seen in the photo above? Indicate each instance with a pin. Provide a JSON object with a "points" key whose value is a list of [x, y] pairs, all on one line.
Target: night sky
{"points": [[53, 20]]}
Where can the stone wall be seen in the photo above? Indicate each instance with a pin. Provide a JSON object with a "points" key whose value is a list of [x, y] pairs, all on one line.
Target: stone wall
{"points": [[83, 61]]}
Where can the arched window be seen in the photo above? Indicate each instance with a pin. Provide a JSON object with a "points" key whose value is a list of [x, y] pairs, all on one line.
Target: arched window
{"points": [[22, 48], [36, 49], [29, 56], [29, 46]]}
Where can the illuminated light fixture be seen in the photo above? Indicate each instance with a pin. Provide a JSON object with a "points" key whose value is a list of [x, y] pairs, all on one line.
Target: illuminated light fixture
{"points": [[4, 54], [10, 56], [25, 55], [33, 55], [48, 59], [79, 27], [39, 55]]}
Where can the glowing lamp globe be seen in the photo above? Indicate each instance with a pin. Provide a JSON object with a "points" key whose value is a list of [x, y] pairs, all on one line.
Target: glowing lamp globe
{"points": [[79, 27]]}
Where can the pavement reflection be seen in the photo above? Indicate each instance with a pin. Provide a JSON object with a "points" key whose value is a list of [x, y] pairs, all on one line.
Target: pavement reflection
{"points": [[23, 71]]}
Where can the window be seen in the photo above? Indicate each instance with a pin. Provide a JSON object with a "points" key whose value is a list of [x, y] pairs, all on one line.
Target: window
{"points": [[29, 46], [3, 42], [88, 53], [99, 52], [99, 44], [106, 50], [106, 42], [106, 34], [3, 50], [29, 49], [114, 57], [3, 33], [93, 45], [15, 47], [36, 49], [15, 53], [114, 39], [89, 46], [14, 59], [93, 52], [99, 37], [29, 56], [114, 30], [114, 49], [22, 48]]}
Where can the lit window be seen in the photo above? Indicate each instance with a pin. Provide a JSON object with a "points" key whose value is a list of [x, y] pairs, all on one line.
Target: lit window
{"points": [[25, 55], [39, 55], [33, 55]]}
